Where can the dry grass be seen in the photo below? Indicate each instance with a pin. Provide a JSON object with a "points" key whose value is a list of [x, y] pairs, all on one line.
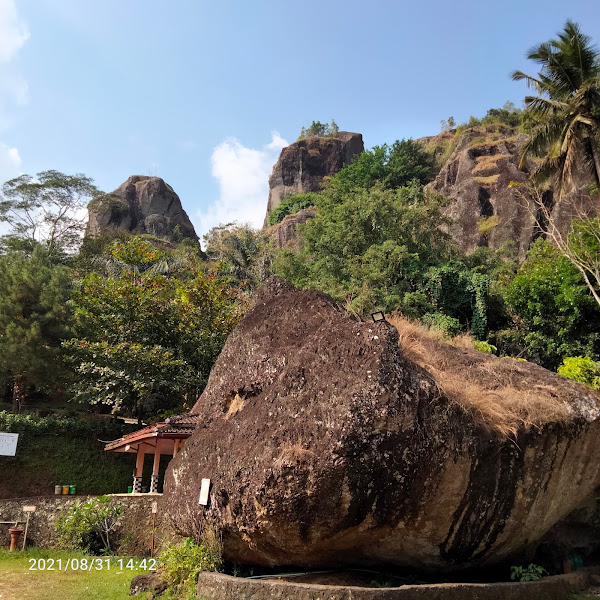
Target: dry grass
{"points": [[291, 455], [487, 162], [489, 180], [501, 395], [477, 143]]}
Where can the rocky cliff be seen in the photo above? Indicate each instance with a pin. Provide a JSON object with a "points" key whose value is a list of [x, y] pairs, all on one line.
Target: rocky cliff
{"points": [[303, 165], [141, 205], [330, 440], [284, 234], [486, 207]]}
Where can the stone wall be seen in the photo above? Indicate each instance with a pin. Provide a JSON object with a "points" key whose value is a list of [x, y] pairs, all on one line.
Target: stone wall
{"points": [[133, 535]]}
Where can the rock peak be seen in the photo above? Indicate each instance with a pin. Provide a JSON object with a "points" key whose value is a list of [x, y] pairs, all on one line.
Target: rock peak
{"points": [[303, 165], [142, 204]]}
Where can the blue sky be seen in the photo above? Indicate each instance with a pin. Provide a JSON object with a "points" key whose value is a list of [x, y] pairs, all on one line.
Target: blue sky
{"points": [[204, 94]]}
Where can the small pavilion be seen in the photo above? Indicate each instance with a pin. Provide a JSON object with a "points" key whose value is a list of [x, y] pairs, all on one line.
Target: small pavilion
{"points": [[163, 438]]}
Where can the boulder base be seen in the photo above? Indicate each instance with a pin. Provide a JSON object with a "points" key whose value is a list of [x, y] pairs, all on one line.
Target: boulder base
{"points": [[328, 442]]}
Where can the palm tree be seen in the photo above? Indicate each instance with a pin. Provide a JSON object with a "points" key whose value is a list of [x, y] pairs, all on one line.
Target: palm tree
{"points": [[566, 111]]}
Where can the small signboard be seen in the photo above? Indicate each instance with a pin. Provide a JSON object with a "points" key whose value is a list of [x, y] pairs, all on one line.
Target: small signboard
{"points": [[154, 508], [8, 444], [29, 509], [204, 492]]}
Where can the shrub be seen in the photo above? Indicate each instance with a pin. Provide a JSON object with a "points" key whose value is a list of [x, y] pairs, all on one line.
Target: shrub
{"points": [[88, 525], [181, 563], [483, 346], [530, 573], [448, 325], [582, 369], [318, 129], [291, 205]]}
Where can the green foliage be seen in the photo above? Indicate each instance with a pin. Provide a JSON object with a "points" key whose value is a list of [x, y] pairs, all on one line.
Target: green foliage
{"points": [[47, 209], [484, 347], [63, 450], [146, 340], [182, 562], [318, 129], [449, 326], [461, 293], [243, 256], [508, 115], [291, 205], [529, 573], [391, 166], [582, 369], [554, 312], [34, 317], [485, 225], [109, 203], [33, 426], [449, 124], [88, 525], [564, 116], [127, 376]]}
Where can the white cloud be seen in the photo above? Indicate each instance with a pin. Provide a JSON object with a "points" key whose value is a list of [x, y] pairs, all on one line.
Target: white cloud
{"points": [[13, 32], [10, 163], [243, 176]]}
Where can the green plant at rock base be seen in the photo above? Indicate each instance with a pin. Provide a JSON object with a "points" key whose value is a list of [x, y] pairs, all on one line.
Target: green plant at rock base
{"points": [[181, 563], [529, 573], [88, 525]]}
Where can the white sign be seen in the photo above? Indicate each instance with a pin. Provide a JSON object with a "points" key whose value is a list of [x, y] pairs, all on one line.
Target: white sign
{"points": [[8, 444], [204, 492], [29, 509], [154, 508]]}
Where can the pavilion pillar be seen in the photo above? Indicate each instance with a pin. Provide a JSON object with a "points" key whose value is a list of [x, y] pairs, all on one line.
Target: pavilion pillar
{"points": [[155, 467], [139, 469]]}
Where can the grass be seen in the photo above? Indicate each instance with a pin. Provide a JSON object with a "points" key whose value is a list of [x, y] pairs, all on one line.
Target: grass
{"points": [[487, 162], [491, 179], [477, 142], [17, 582], [502, 396]]}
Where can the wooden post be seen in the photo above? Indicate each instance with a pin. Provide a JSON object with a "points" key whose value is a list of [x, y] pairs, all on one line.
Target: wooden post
{"points": [[155, 467], [139, 469], [26, 528]]}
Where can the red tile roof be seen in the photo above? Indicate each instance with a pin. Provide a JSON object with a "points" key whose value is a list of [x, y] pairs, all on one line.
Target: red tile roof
{"points": [[179, 427]]}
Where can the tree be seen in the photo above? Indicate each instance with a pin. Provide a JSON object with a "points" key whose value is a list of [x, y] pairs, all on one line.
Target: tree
{"points": [[369, 247], [553, 311], [48, 210], [145, 341], [566, 110], [244, 255], [392, 166], [318, 129], [34, 318]]}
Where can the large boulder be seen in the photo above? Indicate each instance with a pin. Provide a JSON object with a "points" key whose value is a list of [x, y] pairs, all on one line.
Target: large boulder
{"points": [[303, 165], [140, 205], [330, 440]]}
